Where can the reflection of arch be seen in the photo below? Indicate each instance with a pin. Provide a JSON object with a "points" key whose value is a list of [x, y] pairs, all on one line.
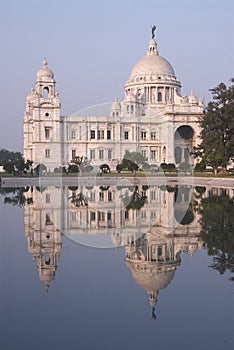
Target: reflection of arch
{"points": [[184, 218]]}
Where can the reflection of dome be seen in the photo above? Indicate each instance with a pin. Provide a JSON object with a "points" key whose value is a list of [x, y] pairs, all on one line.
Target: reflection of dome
{"points": [[149, 275], [45, 73]]}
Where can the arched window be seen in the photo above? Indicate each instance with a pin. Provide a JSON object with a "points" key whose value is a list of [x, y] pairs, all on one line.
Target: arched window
{"points": [[178, 154], [46, 92], [186, 154], [159, 96]]}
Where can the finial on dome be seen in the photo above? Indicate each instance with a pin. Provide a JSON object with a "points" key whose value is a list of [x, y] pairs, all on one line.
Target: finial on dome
{"points": [[44, 62], [152, 48]]}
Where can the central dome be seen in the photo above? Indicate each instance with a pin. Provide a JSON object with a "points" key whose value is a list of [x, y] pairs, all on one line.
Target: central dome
{"points": [[152, 68], [152, 64]]}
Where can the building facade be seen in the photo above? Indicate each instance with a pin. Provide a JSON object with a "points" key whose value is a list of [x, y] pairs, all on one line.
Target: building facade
{"points": [[153, 119]]}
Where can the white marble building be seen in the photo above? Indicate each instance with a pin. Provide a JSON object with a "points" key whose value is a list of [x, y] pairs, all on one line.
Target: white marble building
{"points": [[154, 119]]}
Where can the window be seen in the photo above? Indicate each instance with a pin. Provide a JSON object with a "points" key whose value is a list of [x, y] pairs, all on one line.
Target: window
{"points": [[92, 216], [143, 214], [101, 196], [109, 153], [108, 134], [73, 134], [109, 196], [143, 153], [100, 134], [47, 198], [101, 216], [153, 135], [159, 97], [92, 134], [47, 133], [126, 135], [153, 154], [108, 216], [92, 154], [73, 216], [73, 153], [153, 195], [101, 154], [47, 153], [92, 196], [143, 135], [126, 214], [48, 221]]}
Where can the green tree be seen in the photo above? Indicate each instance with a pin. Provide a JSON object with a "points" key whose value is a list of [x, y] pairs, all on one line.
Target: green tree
{"points": [[131, 161], [217, 129], [13, 161], [135, 157], [40, 168]]}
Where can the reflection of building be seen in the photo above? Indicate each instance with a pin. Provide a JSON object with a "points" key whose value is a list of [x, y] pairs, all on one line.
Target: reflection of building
{"points": [[153, 237], [153, 258], [43, 237], [154, 119]]}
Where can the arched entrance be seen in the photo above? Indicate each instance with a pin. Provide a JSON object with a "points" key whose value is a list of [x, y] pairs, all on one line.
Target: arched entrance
{"points": [[184, 141]]}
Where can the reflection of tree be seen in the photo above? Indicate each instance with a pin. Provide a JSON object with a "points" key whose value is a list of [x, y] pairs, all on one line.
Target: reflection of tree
{"points": [[78, 198], [16, 196], [218, 231], [135, 201]]}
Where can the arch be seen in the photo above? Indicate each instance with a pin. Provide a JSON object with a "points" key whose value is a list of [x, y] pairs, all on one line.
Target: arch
{"points": [[46, 91], [184, 132], [183, 142]]}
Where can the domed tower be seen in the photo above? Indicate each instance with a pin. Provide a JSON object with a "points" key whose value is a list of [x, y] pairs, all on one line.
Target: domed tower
{"points": [[152, 82], [162, 123], [42, 122]]}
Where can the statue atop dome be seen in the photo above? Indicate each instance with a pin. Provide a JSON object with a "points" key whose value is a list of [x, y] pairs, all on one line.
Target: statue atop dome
{"points": [[153, 31]]}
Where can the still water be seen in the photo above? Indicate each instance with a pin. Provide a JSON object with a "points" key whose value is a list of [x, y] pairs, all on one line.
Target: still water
{"points": [[116, 268]]}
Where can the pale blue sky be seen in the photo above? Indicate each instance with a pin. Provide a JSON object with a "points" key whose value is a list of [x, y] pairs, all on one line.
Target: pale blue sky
{"points": [[91, 46]]}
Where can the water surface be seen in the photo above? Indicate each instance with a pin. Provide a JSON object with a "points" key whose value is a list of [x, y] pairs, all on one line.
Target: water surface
{"points": [[112, 273]]}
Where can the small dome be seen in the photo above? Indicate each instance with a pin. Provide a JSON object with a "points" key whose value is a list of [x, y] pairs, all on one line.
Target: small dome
{"points": [[45, 73], [116, 105], [192, 98]]}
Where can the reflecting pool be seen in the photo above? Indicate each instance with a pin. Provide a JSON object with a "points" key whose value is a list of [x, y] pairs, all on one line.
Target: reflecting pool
{"points": [[117, 267]]}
